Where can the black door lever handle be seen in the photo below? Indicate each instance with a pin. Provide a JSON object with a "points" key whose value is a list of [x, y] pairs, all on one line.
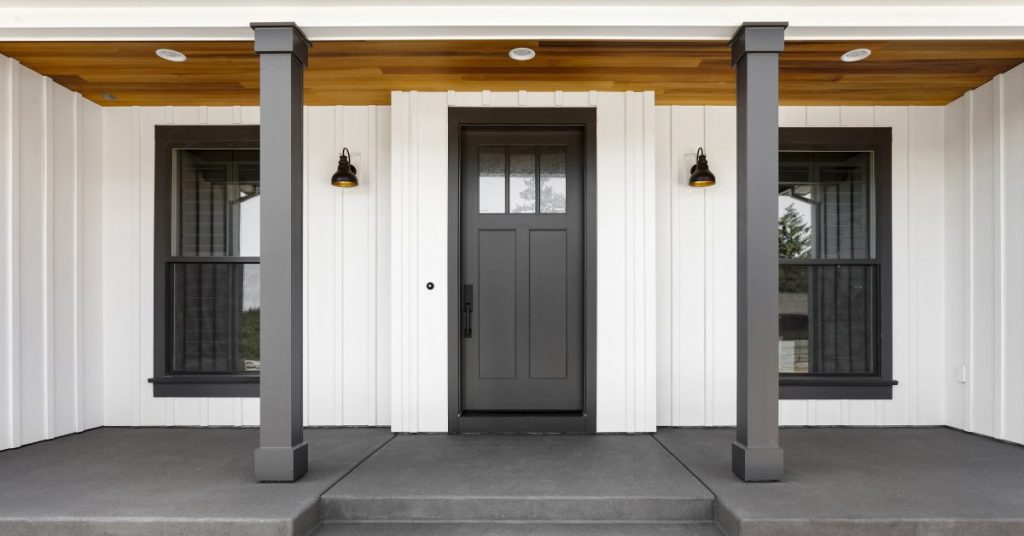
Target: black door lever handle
{"points": [[467, 311]]}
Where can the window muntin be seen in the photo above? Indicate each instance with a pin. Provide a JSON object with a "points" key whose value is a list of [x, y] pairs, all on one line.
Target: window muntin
{"points": [[213, 282], [829, 273]]}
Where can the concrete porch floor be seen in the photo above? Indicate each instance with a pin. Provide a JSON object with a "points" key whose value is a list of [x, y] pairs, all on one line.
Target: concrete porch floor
{"points": [[185, 481]]}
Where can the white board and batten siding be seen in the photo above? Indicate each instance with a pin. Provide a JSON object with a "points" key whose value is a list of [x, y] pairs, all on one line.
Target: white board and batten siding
{"points": [[984, 229], [50, 259], [697, 269], [626, 367], [345, 267]]}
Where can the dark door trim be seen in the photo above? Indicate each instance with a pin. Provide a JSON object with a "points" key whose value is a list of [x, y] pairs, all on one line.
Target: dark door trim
{"points": [[586, 119]]}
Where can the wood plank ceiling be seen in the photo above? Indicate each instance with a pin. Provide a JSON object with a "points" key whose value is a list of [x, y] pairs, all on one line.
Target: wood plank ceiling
{"points": [[364, 72]]}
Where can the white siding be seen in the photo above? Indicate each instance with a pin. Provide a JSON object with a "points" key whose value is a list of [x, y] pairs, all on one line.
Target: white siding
{"points": [[346, 382], [697, 260], [985, 257], [626, 327], [50, 359]]}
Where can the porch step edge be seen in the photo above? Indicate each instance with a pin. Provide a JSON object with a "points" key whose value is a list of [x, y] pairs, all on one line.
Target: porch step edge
{"points": [[580, 509], [519, 528]]}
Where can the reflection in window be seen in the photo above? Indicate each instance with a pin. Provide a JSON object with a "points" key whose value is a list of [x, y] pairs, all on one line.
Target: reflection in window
{"points": [[214, 305], [522, 180], [216, 203], [492, 180], [552, 180], [827, 292], [216, 311], [827, 319]]}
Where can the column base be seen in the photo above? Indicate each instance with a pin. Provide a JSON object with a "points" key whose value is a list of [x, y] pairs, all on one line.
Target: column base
{"points": [[756, 464], [282, 464]]}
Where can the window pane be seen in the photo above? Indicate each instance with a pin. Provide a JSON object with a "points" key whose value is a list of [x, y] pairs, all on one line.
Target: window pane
{"points": [[492, 180], [216, 318], [522, 180], [825, 205], [552, 180], [827, 319], [216, 208]]}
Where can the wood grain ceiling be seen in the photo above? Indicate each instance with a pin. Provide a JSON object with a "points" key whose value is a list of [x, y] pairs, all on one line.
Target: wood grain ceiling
{"points": [[364, 72]]}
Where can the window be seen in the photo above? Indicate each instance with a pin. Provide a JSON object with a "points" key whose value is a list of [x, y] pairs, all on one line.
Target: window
{"points": [[206, 261], [834, 268], [522, 166]]}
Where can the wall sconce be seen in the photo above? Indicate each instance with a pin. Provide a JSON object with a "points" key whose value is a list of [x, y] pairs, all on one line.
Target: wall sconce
{"points": [[345, 177], [700, 175]]}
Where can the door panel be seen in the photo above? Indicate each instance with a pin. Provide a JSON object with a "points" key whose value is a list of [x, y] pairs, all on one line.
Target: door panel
{"points": [[522, 254]]}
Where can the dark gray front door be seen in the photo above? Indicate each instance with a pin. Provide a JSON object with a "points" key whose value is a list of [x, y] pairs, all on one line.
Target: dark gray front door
{"points": [[522, 270]]}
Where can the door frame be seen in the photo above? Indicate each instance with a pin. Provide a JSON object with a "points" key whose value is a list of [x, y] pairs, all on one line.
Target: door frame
{"points": [[586, 120]]}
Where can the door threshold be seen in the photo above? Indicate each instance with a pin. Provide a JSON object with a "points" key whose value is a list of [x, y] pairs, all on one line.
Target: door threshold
{"points": [[521, 423]]}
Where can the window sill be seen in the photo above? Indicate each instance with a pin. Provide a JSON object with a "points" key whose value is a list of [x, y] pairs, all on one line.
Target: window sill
{"points": [[832, 388], [211, 386]]}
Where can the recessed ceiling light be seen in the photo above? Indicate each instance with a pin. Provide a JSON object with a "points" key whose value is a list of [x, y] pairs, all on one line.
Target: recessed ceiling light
{"points": [[856, 54], [108, 96], [521, 54], [171, 55]]}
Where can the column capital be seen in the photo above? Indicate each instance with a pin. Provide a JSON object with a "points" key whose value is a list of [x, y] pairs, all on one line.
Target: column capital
{"points": [[757, 37], [281, 37]]}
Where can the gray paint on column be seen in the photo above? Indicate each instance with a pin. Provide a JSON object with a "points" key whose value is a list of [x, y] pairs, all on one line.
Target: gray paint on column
{"points": [[756, 455], [283, 49]]}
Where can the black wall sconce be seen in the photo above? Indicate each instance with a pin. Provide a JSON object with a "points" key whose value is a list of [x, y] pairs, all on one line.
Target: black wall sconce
{"points": [[700, 175], [345, 177]]}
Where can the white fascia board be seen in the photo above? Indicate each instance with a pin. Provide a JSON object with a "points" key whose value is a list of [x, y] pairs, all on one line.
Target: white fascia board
{"points": [[476, 21]]}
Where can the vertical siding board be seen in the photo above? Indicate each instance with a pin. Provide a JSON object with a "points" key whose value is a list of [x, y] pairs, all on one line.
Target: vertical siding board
{"points": [[383, 259], [611, 235], [323, 276], [62, 247], [1012, 199], [353, 221], [9, 373], [31, 242], [926, 254], [983, 254], [664, 280], [955, 207], [721, 300], [90, 274]]}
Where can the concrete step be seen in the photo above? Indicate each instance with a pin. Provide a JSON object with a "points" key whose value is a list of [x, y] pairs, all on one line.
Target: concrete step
{"points": [[342, 508], [401, 528], [519, 478]]}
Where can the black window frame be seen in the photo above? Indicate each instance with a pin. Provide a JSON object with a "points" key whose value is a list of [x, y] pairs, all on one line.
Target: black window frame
{"points": [[877, 386], [167, 139]]}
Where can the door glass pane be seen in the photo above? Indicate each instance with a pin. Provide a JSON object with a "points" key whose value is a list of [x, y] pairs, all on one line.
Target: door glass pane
{"points": [[825, 205], [827, 319], [552, 180], [492, 180], [216, 205], [522, 181], [215, 309]]}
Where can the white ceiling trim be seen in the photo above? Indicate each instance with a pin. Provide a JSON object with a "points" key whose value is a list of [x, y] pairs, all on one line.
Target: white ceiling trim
{"points": [[477, 22]]}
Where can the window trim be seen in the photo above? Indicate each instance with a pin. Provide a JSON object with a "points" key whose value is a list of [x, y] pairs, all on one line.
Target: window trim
{"points": [[167, 139], [854, 386]]}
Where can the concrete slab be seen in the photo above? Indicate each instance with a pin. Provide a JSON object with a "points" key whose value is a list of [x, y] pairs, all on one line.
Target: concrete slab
{"points": [[859, 481], [163, 481], [520, 477]]}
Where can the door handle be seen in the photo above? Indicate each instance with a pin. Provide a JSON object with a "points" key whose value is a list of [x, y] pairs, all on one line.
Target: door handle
{"points": [[467, 311]]}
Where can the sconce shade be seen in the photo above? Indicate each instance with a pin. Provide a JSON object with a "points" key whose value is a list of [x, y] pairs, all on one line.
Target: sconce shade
{"points": [[345, 177], [700, 175]]}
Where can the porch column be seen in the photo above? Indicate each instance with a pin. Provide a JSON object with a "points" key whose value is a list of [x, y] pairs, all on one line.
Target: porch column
{"points": [[283, 50], [756, 455]]}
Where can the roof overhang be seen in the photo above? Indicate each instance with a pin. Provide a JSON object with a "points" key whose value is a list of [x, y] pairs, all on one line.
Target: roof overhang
{"points": [[190, 20]]}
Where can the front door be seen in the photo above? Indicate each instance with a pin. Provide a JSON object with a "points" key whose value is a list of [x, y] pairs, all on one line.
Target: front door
{"points": [[522, 272]]}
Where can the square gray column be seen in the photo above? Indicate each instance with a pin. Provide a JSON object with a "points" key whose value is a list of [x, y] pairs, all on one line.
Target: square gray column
{"points": [[283, 49], [756, 455]]}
